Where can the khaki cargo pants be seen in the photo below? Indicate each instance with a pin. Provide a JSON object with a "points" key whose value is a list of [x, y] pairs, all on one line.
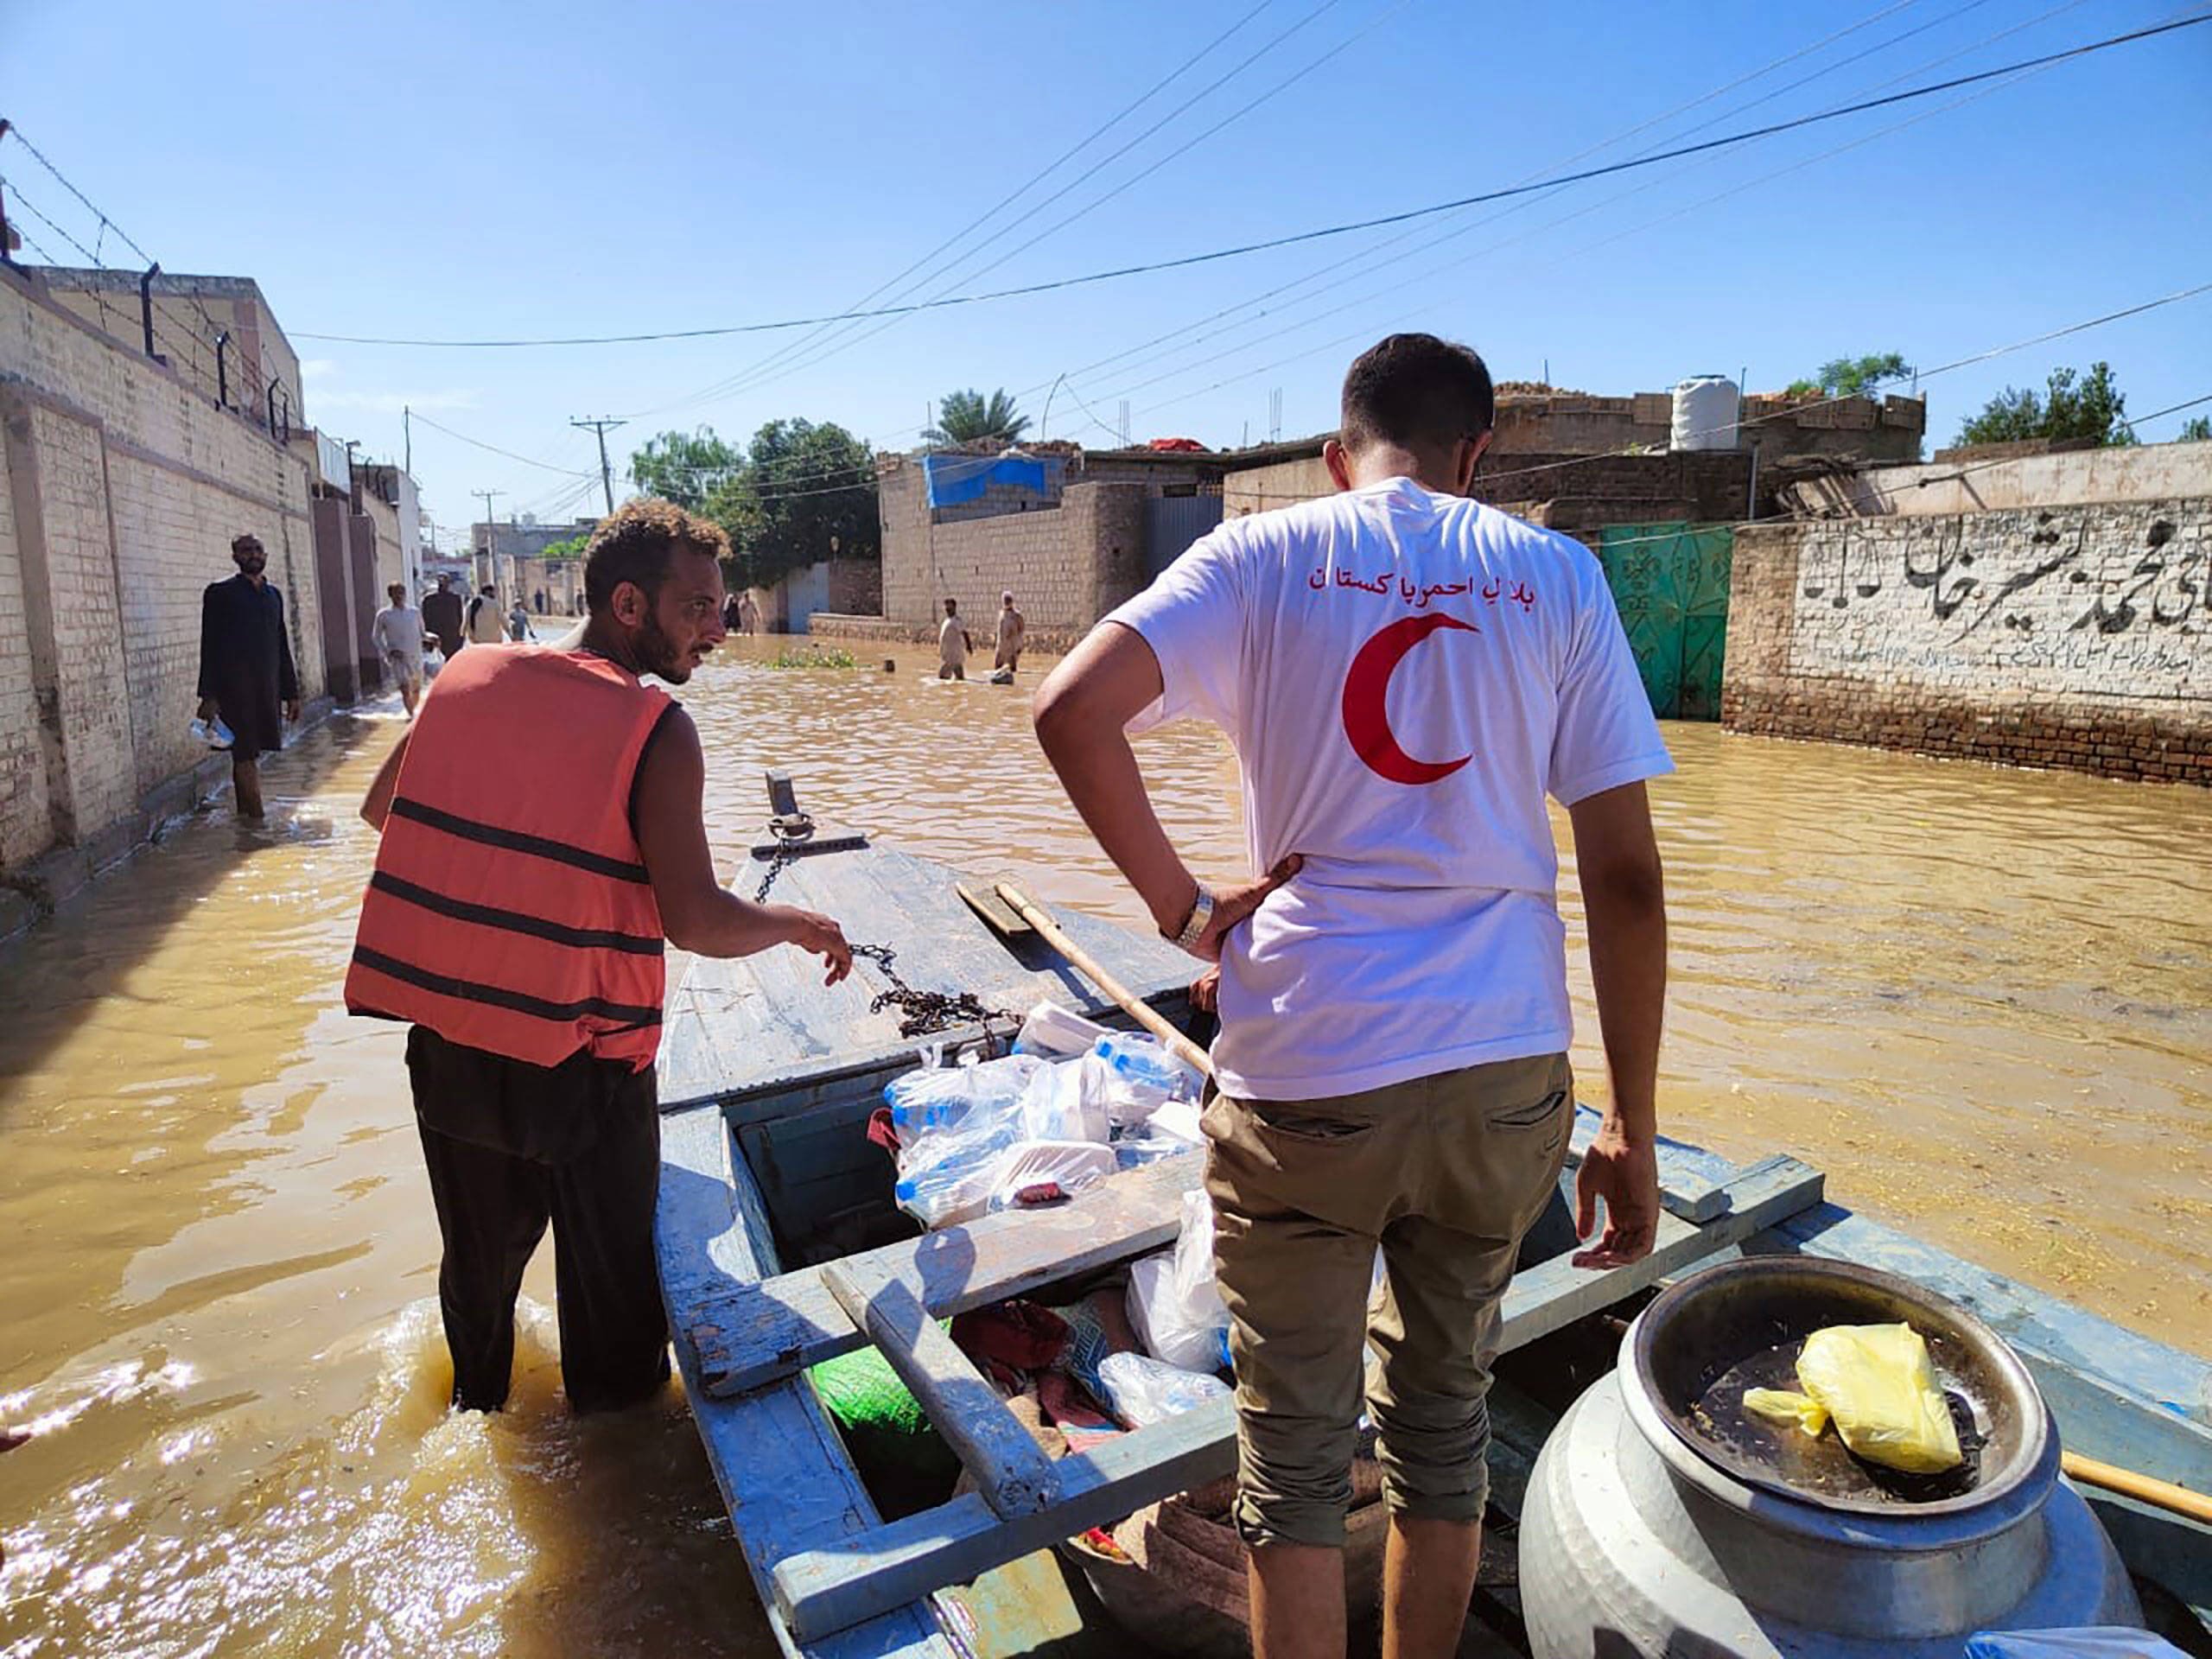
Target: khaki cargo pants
{"points": [[1444, 1173]]}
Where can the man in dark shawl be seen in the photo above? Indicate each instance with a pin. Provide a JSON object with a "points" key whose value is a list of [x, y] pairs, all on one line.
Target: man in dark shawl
{"points": [[245, 667]]}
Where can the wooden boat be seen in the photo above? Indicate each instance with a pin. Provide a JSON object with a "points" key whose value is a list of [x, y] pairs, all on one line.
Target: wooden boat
{"points": [[779, 1248]]}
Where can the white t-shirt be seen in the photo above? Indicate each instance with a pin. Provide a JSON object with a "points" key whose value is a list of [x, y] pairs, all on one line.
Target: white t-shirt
{"points": [[1405, 676], [397, 631], [952, 643]]}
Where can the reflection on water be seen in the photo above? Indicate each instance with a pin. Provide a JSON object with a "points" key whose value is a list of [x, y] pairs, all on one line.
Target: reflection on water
{"points": [[1979, 999]]}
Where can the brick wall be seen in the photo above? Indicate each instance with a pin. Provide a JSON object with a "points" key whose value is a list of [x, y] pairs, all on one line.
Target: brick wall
{"points": [[2078, 636], [1068, 564], [1560, 491], [124, 485]]}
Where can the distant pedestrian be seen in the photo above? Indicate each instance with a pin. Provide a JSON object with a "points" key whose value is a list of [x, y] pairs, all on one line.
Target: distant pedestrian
{"points": [[484, 626], [953, 644], [734, 614], [442, 615], [748, 613], [245, 667], [518, 622], [1012, 632], [398, 633]]}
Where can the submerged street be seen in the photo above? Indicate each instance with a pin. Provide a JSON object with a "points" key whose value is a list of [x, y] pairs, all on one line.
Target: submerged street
{"points": [[1981, 999]]}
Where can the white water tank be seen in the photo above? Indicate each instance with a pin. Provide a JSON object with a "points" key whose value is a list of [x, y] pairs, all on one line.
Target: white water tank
{"points": [[1706, 407]]}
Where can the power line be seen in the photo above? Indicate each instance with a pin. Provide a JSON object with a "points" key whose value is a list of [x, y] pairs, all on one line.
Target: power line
{"points": [[600, 429], [1096, 133], [547, 466], [1371, 255], [1323, 232], [1491, 248], [851, 338]]}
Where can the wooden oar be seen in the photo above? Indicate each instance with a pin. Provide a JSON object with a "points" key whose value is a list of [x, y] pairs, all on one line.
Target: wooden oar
{"points": [[1139, 1010], [2143, 1488]]}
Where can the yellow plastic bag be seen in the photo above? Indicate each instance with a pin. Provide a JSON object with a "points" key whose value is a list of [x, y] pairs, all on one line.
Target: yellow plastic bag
{"points": [[1877, 1384], [1791, 1410]]}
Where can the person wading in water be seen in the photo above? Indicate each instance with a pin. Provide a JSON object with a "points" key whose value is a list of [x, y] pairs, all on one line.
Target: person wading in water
{"points": [[1393, 997], [246, 674], [517, 919]]}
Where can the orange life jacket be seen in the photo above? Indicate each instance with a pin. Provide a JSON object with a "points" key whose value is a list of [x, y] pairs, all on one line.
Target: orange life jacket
{"points": [[509, 910]]}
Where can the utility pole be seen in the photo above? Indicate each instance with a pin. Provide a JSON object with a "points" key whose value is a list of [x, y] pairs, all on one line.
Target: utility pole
{"points": [[407, 427], [491, 535], [606, 472]]}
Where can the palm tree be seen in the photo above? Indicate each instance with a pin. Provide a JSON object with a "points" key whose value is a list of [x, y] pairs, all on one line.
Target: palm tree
{"points": [[968, 417]]}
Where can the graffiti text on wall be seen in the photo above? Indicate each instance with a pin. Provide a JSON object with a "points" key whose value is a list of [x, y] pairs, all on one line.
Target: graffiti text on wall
{"points": [[2107, 600]]}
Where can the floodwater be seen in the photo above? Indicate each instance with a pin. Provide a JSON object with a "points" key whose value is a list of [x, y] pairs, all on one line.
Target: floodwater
{"points": [[1981, 1000]]}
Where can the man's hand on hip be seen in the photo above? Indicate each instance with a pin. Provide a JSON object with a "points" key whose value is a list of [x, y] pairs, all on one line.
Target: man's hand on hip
{"points": [[1234, 905], [1625, 1174]]}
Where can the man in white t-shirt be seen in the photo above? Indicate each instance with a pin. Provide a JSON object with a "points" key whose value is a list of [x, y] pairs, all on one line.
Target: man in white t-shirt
{"points": [[397, 635], [953, 644], [1406, 675]]}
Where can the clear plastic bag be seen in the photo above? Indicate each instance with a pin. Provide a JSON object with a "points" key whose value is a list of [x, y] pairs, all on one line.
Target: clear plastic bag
{"points": [[1879, 1386], [2091, 1642], [1174, 1300], [1072, 1166], [1141, 1076], [1141, 1390], [1066, 1101], [953, 1122]]}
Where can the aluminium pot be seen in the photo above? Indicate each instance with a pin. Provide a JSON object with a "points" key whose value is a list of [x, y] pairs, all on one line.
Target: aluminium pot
{"points": [[1662, 1521]]}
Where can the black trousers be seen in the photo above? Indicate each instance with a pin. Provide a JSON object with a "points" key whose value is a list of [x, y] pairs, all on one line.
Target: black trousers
{"points": [[510, 1148]]}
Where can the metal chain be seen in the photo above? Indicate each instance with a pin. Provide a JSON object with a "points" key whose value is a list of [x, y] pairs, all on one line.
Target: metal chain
{"points": [[925, 1012], [785, 855]]}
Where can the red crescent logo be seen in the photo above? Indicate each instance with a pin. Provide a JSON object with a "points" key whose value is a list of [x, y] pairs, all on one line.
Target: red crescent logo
{"points": [[1367, 690]]}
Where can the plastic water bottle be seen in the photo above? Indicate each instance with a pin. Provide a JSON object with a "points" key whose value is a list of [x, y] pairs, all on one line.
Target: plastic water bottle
{"points": [[213, 733], [1144, 1061]]}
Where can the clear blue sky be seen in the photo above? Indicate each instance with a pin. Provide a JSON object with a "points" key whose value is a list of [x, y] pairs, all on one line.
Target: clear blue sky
{"points": [[467, 170]]}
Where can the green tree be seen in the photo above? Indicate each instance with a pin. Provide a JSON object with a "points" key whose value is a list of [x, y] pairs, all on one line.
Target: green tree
{"points": [[2070, 407], [968, 417], [803, 492], [2195, 429], [571, 549], [1852, 377], [684, 467]]}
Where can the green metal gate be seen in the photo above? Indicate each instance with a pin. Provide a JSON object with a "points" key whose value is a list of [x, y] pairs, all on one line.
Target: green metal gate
{"points": [[1671, 584]]}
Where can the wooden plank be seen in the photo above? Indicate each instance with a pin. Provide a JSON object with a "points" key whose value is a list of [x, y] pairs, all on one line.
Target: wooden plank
{"points": [[1010, 1470], [822, 1590], [784, 1474], [1686, 1189], [1554, 1294], [748, 1336]]}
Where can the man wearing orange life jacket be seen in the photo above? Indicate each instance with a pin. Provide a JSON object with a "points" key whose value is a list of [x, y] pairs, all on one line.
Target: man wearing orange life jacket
{"points": [[517, 917]]}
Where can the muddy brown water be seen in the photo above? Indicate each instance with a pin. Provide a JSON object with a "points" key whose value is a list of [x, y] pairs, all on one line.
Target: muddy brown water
{"points": [[1981, 1000]]}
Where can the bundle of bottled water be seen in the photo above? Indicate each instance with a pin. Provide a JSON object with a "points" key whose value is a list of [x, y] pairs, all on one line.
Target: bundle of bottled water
{"points": [[1041, 1124]]}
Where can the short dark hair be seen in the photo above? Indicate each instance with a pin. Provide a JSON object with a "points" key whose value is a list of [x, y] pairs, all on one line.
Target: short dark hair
{"points": [[396, 589], [1416, 391], [633, 542], [243, 540]]}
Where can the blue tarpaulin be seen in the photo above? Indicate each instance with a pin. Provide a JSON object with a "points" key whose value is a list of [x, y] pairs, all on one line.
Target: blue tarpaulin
{"points": [[955, 479]]}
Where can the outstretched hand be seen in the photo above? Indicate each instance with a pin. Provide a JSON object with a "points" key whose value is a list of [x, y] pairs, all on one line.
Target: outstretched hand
{"points": [[1233, 906], [1625, 1174], [819, 936]]}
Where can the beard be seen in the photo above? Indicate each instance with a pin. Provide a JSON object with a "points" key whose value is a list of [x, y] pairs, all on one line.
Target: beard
{"points": [[657, 655]]}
